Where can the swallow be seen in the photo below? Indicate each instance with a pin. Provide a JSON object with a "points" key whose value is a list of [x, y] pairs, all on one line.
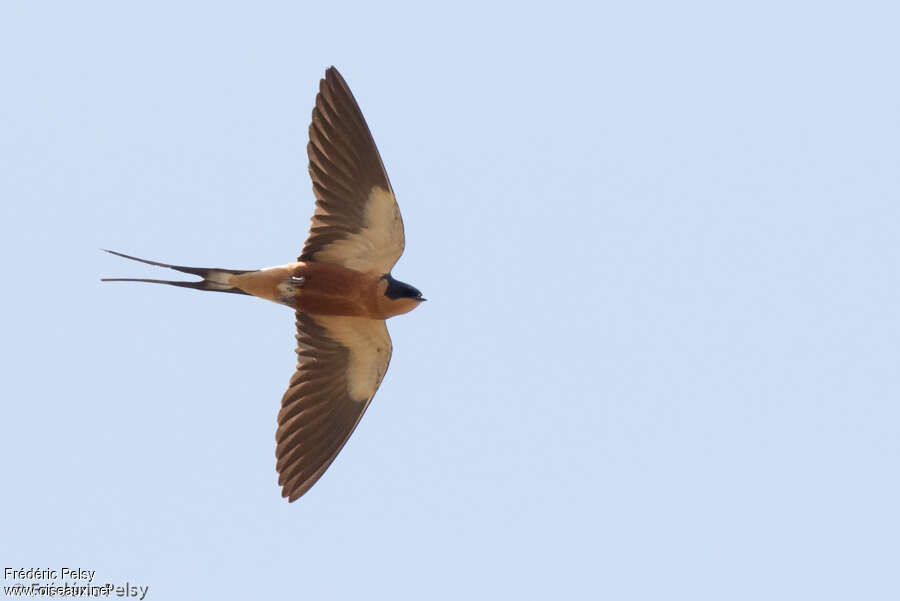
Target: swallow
{"points": [[340, 288]]}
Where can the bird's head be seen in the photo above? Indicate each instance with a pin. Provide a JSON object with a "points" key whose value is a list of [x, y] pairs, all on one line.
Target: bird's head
{"points": [[399, 297]]}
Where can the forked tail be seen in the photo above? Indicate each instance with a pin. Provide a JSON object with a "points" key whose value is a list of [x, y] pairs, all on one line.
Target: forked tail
{"points": [[217, 280]]}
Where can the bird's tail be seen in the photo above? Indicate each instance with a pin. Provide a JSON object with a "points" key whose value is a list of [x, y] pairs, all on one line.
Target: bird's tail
{"points": [[217, 280]]}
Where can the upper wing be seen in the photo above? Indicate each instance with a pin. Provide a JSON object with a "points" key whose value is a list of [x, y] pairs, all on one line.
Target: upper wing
{"points": [[357, 221], [340, 363]]}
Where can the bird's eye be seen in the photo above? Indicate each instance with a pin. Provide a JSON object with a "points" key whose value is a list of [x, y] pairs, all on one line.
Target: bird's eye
{"points": [[298, 279]]}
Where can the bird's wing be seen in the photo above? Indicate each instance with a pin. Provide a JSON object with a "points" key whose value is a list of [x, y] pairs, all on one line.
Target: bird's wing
{"points": [[357, 222], [340, 363]]}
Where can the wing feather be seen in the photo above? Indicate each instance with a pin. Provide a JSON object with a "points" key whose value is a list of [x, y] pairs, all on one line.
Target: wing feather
{"points": [[341, 362], [356, 222]]}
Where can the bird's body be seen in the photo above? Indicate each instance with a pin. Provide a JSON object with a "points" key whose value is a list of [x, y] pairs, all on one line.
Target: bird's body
{"points": [[324, 289], [341, 288]]}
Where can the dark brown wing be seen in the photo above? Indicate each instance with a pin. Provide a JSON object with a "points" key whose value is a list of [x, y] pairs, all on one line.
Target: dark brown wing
{"points": [[340, 364], [357, 222]]}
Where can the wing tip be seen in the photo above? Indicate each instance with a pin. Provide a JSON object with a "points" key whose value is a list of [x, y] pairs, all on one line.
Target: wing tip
{"points": [[287, 494], [294, 489]]}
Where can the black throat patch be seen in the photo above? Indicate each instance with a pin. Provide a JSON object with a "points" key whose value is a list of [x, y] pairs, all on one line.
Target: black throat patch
{"points": [[397, 289]]}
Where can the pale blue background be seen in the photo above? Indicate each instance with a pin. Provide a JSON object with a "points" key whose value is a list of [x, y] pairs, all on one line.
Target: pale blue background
{"points": [[660, 355]]}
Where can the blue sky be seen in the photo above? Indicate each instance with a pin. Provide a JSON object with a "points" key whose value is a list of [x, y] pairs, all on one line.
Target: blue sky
{"points": [[659, 243]]}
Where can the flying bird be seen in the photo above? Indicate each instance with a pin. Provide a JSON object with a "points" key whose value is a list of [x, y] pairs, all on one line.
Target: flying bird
{"points": [[340, 286]]}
